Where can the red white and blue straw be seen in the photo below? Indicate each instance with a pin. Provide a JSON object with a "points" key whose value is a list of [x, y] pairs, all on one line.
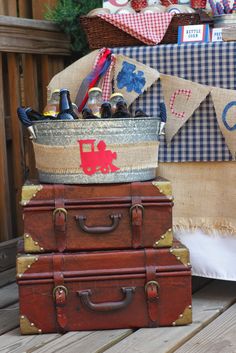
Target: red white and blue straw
{"points": [[227, 8], [213, 8]]}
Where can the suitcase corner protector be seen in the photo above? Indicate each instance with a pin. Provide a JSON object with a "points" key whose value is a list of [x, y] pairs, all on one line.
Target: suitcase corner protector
{"points": [[27, 327], [165, 240], [164, 188], [28, 192], [181, 254], [23, 263], [30, 245], [185, 318]]}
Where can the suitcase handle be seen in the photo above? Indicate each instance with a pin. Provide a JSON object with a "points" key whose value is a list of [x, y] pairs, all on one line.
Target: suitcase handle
{"points": [[108, 306], [100, 229]]}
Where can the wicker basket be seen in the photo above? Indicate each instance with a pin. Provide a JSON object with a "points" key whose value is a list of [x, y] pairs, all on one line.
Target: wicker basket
{"points": [[100, 33]]}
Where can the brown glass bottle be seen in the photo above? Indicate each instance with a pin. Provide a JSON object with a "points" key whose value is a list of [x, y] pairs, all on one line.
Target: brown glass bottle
{"points": [[65, 106], [106, 110], [121, 110], [88, 114]]}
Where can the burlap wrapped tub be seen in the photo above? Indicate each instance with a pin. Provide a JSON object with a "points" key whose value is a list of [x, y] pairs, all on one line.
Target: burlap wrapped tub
{"points": [[97, 151]]}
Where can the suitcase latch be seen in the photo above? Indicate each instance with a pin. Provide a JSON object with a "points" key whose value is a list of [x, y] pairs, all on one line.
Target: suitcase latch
{"points": [[60, 218], [136, 216], [59, 294], [136, 206], [152, 289]]}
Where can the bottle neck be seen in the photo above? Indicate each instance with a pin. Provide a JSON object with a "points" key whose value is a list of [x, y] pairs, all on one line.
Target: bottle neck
{"points": [[65, 102], [33, 114], [55, 98]]}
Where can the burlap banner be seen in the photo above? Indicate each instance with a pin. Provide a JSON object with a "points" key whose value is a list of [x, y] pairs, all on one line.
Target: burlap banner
{"points": [[182, 98], [225, 106], [72, 76], [132, 78]]}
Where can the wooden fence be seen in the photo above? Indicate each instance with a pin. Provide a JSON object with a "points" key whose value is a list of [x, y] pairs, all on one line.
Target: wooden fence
{"points": [[26, 8], [31, 52]]}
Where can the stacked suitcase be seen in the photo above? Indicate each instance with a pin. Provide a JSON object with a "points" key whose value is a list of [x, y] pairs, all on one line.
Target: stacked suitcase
{"points": [[101, 257]]}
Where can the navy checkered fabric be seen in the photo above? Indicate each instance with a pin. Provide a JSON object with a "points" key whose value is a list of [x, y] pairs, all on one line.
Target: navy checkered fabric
{"points": [[212, 64]]}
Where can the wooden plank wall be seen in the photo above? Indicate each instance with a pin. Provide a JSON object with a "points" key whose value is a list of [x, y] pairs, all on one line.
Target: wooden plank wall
{"points": [[26, 8], [26, 66]]}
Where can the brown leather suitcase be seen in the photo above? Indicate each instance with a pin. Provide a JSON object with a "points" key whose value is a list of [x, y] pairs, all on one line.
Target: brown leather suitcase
{"points": [[104, 290], [97, 217]]}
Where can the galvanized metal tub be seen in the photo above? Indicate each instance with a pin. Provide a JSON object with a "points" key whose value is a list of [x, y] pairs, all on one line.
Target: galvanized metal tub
{"points": [[223, 21], [97, 151]]}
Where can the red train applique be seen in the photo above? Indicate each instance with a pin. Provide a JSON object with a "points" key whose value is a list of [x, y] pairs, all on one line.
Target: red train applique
{"points": [[93, 161]]}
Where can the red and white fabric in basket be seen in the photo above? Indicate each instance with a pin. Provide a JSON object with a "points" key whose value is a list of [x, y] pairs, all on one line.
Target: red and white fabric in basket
{"points": [[149, 28]]}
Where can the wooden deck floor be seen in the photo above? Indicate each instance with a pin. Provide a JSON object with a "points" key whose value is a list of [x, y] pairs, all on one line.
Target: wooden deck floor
{"points": [[212, 331]]}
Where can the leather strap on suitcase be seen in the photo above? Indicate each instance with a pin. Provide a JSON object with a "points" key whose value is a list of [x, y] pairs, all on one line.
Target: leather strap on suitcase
{"points": [[136, 213], [60, 217], [60, 291], [151, 287]]}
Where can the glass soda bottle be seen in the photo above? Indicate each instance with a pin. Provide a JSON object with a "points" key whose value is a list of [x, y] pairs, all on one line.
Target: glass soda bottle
{"points": [[52, 107], [95, 101], [114, 98]]}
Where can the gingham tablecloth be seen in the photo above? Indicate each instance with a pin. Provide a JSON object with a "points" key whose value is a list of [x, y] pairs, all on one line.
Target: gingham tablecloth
{"points": [[149, 28], [211, 64]]}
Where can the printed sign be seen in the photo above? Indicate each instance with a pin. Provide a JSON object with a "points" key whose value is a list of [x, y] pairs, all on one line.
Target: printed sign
{"points": [[114, 5], [216, 35], [193, 34]]}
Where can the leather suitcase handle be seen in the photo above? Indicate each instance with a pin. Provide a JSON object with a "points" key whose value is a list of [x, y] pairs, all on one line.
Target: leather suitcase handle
{"points": [[108, 306], [100, 229]]}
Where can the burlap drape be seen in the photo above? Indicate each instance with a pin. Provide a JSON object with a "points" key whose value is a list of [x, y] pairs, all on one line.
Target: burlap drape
{"points": [[204, 195]]}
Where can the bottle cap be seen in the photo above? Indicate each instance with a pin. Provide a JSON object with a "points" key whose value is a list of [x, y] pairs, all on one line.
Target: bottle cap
{"points": [[95, 89], [118, 94], [54, 95], [106, 104]]}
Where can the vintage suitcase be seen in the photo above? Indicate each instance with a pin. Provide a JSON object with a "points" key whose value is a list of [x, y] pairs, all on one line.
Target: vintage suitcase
{"points": [[93, 217], [104, 290]]}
